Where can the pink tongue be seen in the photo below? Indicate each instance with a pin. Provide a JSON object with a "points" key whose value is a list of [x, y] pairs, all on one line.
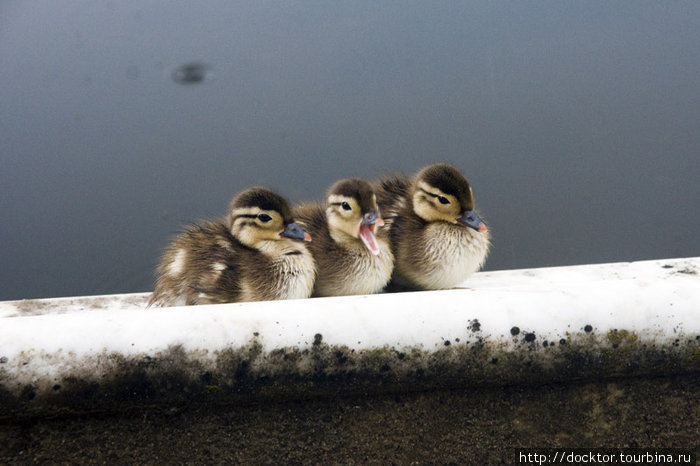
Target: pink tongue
{"points": [[367, 237]]}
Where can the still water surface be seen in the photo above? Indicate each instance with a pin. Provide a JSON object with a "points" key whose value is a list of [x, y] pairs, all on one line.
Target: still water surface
{"points": [[578, 123]]}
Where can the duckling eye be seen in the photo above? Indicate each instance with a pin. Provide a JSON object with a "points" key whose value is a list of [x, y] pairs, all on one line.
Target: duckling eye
{"points": [[345, 206], [443, 200], [264, 218]]}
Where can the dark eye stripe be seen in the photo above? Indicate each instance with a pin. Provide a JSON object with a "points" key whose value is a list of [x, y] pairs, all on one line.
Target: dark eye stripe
{"points": [[264, 217], [442, 199], [343, 204], [243, 220]]}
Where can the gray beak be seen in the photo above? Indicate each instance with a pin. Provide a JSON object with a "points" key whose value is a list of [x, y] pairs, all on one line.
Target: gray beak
{"points": [[294, 231], [472, 220], [370, 218]]}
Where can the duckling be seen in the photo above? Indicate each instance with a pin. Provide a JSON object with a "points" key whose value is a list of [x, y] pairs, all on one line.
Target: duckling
{"points": [[352, 256], [256, 253], [437, 237]]}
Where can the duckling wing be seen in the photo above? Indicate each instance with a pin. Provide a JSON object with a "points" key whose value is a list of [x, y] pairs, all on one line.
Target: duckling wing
{"points": [[392, 196], [312, 218], [215, 268], [208, 266], [220, 284]]}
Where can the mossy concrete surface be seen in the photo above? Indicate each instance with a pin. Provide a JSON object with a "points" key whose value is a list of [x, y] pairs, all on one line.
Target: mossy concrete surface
{"points": [[528, 329]]}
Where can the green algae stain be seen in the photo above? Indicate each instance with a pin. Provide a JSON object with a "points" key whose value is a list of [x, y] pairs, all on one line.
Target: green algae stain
{"points": [[617, 337], [694, 354]]}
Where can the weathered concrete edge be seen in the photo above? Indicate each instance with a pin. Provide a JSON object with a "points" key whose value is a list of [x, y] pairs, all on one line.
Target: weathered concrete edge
{"points": [[517, 327]]}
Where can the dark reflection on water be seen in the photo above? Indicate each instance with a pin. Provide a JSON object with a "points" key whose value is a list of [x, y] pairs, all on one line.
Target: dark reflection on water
{"points": [[190, 73], [578, 123]]}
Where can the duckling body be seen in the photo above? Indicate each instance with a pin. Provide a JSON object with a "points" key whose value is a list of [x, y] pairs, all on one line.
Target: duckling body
{"points": [[254, 254], [351, 251], [437, 238]]}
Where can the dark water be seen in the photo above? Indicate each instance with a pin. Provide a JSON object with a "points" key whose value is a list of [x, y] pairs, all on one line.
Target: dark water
{"points": [[578, 123]]}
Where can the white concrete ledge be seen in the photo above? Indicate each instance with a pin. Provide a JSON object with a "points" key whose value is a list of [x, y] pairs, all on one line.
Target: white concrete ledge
{"points": [[510, 327]]}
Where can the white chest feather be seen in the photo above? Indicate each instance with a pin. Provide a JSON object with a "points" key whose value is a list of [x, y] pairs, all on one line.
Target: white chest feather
{"points": [[296, 277], [365, 273], [291, 277], [452, 253]]}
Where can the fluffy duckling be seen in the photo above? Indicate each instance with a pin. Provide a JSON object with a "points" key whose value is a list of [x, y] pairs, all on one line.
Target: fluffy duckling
{"points": [[351, 256], [437, 238], [256, 253]]}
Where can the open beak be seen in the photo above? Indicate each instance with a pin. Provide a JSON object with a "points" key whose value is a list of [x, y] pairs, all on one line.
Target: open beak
{"points": [[472, 220], [370, 221], [294, 231]]}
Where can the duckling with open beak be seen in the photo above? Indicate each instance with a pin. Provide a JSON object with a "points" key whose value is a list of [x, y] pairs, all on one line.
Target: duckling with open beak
{"points": [[256, 253], [370, 221], [350, 247]]}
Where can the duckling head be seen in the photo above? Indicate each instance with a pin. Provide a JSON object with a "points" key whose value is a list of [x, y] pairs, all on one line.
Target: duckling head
{"points": [[442, 193], [259, 214], [353, 214]]}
